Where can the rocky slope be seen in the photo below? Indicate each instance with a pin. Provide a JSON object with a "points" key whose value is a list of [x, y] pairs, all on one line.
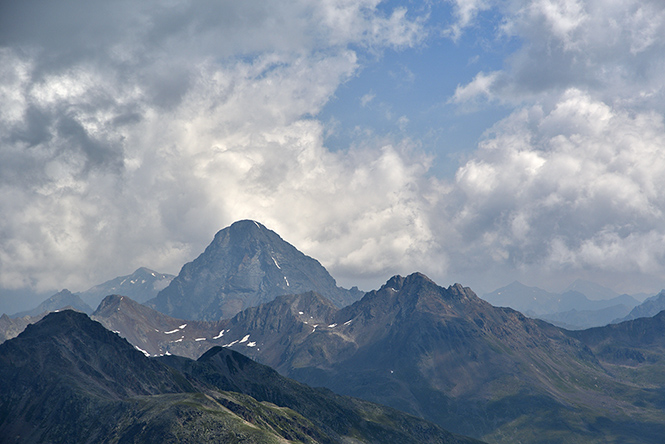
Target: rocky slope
{"points": [[245, 265], [12, 327], [155, 333]]}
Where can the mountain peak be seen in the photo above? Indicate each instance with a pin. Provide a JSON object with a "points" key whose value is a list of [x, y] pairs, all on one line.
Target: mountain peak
{"points": [[110, 302], [247, 224], [398, 282], [60, 300], [141, 285], [245, 265]]}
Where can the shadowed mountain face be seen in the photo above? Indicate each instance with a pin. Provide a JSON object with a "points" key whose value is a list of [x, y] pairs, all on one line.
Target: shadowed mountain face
{"points": [[245, 265], [12, 327], [638, 344], [67, 379]]}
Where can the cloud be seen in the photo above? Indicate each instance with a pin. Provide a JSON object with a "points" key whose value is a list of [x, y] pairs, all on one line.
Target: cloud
{"points": [[612, 50], [366, 99], [466, 12], [576, 187], [569, 182], [130, 134], [480, 87]]}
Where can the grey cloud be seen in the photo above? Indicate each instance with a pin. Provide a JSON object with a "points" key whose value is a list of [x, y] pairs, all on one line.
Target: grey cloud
{"points": [[34, 129], [613, 51], [98, 153], [580, 188], [135, 130]]}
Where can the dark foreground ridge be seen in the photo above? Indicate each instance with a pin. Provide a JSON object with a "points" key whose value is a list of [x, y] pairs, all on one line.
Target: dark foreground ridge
{"points": [[68, 379]]}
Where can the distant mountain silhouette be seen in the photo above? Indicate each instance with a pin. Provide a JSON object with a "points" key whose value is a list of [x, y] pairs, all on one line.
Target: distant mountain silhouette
{"points": [[651, 307], [245, 265], [58, 301], [571, 309], [141, 285], [591, 290]]}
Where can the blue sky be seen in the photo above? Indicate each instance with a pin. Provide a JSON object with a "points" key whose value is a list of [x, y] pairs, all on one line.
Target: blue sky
{"points": [[477, 141], [416, 84]]}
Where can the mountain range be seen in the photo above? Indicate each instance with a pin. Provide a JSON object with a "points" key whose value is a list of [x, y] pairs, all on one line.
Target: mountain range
{"points": [[582, 305], [441, 354], [141, 285], [68, 379]]}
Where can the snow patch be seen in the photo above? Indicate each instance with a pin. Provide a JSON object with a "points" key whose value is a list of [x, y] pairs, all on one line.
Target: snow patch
{"points": [[251, 344], [172, 331], [287, 281], [182, 326], [221, 333], [178, 340], [230, 344], [244, 339], [200, 339], [300, 312], [257, 225], [167, 353], [276, 264], [348, 322], [332, 326], [142, 351]]}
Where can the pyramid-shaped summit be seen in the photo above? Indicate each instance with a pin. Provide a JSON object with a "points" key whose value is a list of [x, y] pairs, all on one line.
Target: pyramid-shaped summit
{"points": [[245, 265]]}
